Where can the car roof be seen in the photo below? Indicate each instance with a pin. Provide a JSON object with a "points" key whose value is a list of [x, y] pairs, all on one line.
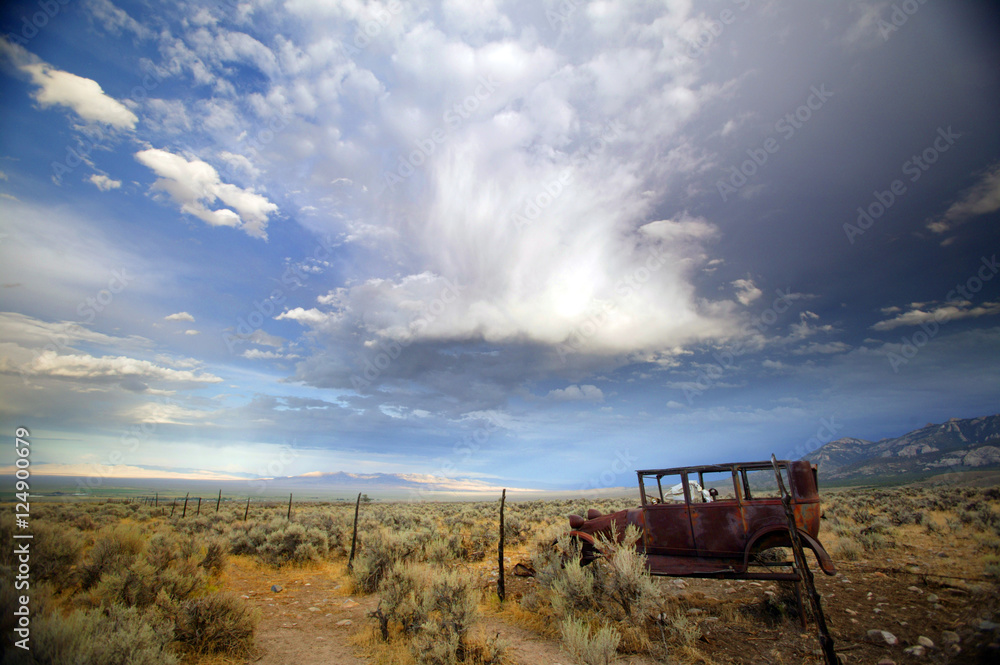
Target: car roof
{"points": [[709, 468]]}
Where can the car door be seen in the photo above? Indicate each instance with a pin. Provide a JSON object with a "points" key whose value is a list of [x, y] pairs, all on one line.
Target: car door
{"points": [[717, 524], [668, 524]]}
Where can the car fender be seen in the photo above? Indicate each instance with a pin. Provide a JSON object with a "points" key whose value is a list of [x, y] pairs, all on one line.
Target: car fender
{"points": [[770, 533]]}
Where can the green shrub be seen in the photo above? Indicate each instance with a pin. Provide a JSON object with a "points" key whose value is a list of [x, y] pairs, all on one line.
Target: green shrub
{"points": [[214, 560], [217, 623], [597, 648], [377, 557], [449, 601], [114, 635], [56, 551], [847, 550], [294, 544], [114, 551], [626, 580]]}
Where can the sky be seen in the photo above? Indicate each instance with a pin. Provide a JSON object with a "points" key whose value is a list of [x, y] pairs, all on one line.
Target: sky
{"points": [[503, 244]]}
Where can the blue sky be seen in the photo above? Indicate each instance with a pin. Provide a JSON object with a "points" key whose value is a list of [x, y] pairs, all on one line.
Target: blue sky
{"points": [[499, 243]]}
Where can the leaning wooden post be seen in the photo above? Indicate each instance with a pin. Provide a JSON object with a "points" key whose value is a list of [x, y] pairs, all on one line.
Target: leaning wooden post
{"points": [[173, 507], [501, 592], [185, 505], [218, 501], [156, 500], [247, 511], [289, 515], [198, 512], [354, 535], [825, 641]]}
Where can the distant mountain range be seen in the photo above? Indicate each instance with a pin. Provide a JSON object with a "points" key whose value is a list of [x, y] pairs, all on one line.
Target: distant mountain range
{"points": [[411, 484], [956, 445]]}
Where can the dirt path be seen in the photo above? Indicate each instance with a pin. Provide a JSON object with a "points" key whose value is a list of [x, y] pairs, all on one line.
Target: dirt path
{"points": [[303, 624]]}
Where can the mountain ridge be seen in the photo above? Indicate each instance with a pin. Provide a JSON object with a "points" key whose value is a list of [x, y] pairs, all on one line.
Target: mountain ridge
{"points": [[956, 445]]}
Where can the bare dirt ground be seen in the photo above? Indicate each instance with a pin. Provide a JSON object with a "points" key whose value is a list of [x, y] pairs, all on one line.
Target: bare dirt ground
{"points": [[303, 624], [922, 596], [922, 589]]}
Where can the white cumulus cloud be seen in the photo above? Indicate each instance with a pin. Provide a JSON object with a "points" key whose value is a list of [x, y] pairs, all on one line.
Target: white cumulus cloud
{"points": [[196, 185]]}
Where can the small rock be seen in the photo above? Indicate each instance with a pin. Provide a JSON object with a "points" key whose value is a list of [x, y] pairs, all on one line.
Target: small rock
{"points": [[913, 588], [879, 574], [987, 625], [851, 612], [275, 588], [949, 637], [695, 611], [348, 604], [680, 584], [917, 651], [344, 622], [314, 609], [887, 661], [925, 642], [246, 597], [932, 598], [883, 636], [523, 569]]}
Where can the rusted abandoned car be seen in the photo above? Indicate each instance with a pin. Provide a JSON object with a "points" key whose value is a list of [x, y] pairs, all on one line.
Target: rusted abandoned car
{"points": [[714, 520]]}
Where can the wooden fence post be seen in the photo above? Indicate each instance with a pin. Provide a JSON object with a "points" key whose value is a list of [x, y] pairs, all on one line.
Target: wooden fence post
{"points": [[501, 591], [185, 505], [289, 515], [354, 536], [218, 501], [198, 512], [156, 500], [173, 507], [247, 511]]}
